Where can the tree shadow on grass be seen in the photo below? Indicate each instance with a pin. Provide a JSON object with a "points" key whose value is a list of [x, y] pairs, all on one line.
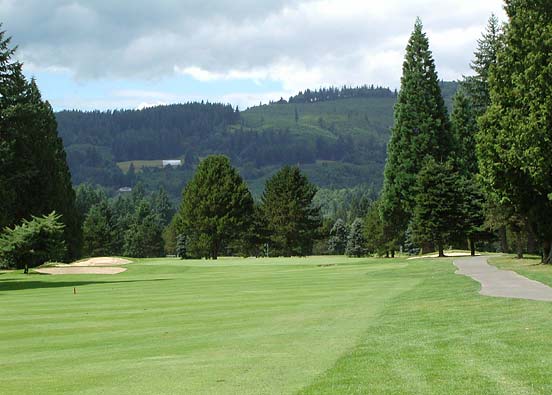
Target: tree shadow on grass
{"points": [[18, 284]]}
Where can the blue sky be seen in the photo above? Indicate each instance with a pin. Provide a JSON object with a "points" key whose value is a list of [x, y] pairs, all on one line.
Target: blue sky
{"points": [[100, 54]]}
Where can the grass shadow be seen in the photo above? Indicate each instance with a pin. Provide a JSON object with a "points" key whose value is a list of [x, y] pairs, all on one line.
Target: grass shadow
{"points": [[16, 284]]}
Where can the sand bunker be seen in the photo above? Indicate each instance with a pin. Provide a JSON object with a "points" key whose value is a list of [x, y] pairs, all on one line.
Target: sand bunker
{"points": [[100, 265], [80, 270], [101, 261]]}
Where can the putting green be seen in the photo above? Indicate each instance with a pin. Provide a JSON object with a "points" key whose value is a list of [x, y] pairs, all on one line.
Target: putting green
{"points": [[246, 326]]}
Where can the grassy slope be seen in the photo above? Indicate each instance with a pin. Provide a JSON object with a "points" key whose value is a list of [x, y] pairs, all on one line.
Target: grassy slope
{"points": [[243, 326], [366, 120]]}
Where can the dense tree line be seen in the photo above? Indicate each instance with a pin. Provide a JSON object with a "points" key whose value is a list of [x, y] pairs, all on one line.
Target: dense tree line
{"points": [[217, 214], [432, 194], [130, 225], [34, 176], [514, 142], [483, 173], [96, 141], [335, 93]]}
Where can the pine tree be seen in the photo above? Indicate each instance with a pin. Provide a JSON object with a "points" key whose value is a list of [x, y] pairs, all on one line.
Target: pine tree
{"points": [[355, 239], [9, 68], [464, 128], [477, 86], [216, 207], [470, 102], [338, 238], [162, 206], [143, 238], [98, 231], [473, 211], [438, 213], [373, 231], [86, 196], [34, 175], [421, 129], [256, 236], [169, 237], [292, 218], [181, 241], [514, 143]]}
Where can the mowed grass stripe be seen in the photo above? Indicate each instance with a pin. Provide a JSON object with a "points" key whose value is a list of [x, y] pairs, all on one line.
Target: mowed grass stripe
{"points": [[443, 337], [234, 328]]}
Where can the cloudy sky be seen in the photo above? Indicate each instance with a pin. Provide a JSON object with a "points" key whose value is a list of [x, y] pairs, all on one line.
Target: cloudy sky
{"points": [[101, 54]]}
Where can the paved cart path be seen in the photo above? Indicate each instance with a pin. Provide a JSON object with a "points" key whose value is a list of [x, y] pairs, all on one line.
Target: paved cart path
{"points": [[501, 283]]}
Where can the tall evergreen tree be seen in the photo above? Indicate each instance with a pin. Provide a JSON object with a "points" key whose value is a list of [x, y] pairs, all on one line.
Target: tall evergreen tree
{"points": [[469, 104], [9, 69], [338, 238], [292, 218], [355, 239], [438, 213], [162, 206], [421, 129], [99, 231], [86, 196], [477, 85], [216, 207], [144, 236], [464, 128], [373, 231], [35, 178], [256, 236], [180, 248], [514, 143]]}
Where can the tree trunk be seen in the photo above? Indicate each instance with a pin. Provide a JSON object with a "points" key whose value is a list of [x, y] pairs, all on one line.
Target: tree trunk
{"points": [[392, 253], [427, 247], [531, 241], [471, 243], [26, 270], [387, 254], [503, 240], [441, 251], [546, 258], [519, 245]]}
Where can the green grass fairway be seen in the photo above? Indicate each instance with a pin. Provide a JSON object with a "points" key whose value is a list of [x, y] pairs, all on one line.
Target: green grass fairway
{"points": [[323, 325]]}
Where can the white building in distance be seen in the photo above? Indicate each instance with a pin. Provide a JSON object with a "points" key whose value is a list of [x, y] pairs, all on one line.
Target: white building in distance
{"points": [[172, 162]]}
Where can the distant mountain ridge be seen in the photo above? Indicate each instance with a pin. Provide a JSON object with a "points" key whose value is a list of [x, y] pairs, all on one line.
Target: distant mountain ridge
{"points": [[337, 135]]}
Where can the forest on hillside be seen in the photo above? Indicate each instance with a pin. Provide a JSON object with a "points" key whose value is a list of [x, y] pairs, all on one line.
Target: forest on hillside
{"points": [[338, 136]]}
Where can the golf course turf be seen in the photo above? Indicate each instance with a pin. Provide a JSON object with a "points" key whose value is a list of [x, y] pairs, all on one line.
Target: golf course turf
{"points": [[271, 326]]}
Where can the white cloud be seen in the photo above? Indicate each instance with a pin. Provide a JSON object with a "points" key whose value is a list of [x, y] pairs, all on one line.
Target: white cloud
{"points": [[298, 43]]}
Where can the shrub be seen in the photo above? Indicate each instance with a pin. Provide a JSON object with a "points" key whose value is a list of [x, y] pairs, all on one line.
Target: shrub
{"points": [[33, 243]]}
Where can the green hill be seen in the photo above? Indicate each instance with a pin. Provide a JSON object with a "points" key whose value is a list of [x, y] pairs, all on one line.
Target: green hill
{"points": [[337, 136]]}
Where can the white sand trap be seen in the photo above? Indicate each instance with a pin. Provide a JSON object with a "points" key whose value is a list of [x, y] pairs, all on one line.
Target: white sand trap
{"points": [[80, 270], [101, 261]]}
